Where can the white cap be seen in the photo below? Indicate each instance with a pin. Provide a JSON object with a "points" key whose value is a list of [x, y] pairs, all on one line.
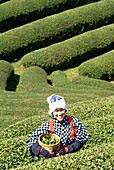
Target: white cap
{"points": [[56, 101]]}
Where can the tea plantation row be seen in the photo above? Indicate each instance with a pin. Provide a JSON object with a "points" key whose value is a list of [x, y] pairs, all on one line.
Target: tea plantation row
{"points": [[54, 28], [16, 13], [18, 106], [101, 67], [90, 100], [73, 51], [34, 78], [83, 110], [14, 151], [101, 159]]}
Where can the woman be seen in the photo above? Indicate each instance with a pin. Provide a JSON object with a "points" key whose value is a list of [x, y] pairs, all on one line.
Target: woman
{"points": [[72, 133]]}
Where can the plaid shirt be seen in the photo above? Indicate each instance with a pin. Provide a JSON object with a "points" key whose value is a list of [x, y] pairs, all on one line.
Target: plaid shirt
{"points": [[62, 129]]}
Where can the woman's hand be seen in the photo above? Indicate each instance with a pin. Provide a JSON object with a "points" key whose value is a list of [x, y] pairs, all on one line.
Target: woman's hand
{"points": [[46, 153]]}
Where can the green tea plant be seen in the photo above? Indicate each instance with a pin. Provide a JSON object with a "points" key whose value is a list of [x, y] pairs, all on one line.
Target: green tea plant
{"points": [[14, 151], [59, 79], [98, 157], [47, 140], [15, 13], [55, 28], [92, 83], [72, 51], [6, 71], [101, 67], [33, 78], [85, 110]]}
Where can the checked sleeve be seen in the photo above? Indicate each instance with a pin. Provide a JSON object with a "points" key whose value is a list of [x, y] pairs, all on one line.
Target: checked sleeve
{"points": [[32, 142]]}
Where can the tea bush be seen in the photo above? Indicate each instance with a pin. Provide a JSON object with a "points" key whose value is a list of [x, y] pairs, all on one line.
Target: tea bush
{"points": [[92, 83], [15, 13], [43, 32], [14, 151], [97, 157], [93, 108], [59, 79], [19, 106], [101, 67], [6, 71], [72, 51], [82, 110], [32, 78]]}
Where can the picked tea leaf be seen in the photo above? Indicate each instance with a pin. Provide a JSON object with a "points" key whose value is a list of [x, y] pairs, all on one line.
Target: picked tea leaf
{"points": [[49, 141]]}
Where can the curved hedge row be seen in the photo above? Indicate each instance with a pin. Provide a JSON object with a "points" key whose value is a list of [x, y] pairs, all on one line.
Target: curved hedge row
{"points": [[14, 151], [6, 71], [72, 51], [19, 12], [92, 83], [82, 110], [33, 78], [101, 67], [19, 41]]}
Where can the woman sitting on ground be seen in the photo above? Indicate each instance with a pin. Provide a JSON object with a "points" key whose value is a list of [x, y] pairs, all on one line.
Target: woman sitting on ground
{"points": [[72, 133]]}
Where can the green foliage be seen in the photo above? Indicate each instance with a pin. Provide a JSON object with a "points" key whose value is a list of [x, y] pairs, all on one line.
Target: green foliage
{"points": [[6, 71], [72, 51], [98, 157], [33, 78], [47, 140], [21, 113], [101, 67], [93, 108], [59, 79], [17, 42], [14, 151], [92, 83], [19, 12], [24, 105], [84, 110]]}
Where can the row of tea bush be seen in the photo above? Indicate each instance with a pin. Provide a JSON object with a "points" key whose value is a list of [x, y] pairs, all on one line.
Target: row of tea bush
{"points": [[32, 79], [72, 51], [84, 110], [15, 13], [43, 32], [101, 67], [98, 157], [14, 151]]}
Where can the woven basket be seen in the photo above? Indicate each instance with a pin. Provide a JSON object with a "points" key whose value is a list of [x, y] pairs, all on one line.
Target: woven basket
{"points": [[55, 148]]}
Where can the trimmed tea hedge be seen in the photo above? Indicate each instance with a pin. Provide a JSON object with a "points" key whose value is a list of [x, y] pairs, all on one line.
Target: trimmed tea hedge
{"points": [[6, 71], [17, 42], [33, 78], [19, 12], [24, 105], [98, 157], [59, 79], [72, 51], [14, 151], [101, 67], [92, 83], [82, 110]]}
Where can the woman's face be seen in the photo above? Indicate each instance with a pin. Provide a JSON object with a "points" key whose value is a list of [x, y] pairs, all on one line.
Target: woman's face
{"points": [[59, 114]]}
